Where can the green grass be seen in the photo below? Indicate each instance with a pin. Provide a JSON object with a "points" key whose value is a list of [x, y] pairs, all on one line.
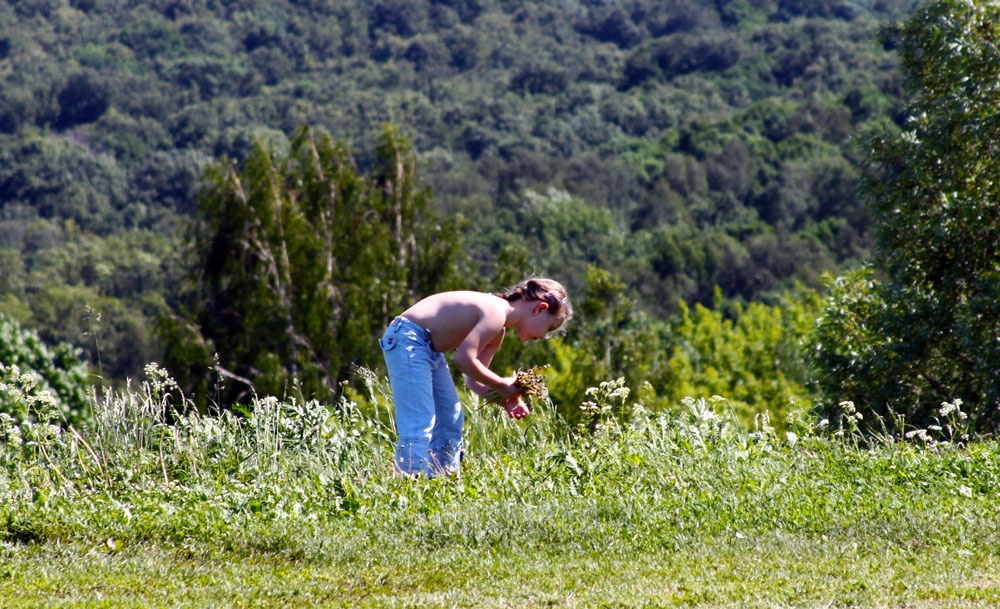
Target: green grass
{"points": [[771, 571], [295, 506]]}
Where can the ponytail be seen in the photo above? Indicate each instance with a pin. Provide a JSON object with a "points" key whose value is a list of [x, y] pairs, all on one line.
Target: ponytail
{"points": [[548, 291]]}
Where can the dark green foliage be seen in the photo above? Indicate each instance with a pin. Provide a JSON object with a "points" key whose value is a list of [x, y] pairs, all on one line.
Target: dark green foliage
{"points": [[167, 178], [59, 177], [39, 379], [83, 99], [209, 77], [837, 9], [152, 37], [611, 24], [16, 110], [679, 54], [299, 260], [927, 331], [703, 143], [100, 294]]}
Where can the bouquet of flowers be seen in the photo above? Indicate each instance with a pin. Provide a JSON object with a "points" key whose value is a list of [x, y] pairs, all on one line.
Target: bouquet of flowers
{"points": [[529, 382]]}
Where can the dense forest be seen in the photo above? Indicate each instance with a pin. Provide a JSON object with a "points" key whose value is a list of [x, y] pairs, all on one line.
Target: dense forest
{"points": [[691, 163]]}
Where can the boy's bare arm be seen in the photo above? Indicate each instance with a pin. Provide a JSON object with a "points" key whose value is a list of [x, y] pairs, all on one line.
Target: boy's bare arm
{"points": [[483, 336], [485, 356]]}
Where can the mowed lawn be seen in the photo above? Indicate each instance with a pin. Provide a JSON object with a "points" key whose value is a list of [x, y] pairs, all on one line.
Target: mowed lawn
{"points": [[776, 570]]}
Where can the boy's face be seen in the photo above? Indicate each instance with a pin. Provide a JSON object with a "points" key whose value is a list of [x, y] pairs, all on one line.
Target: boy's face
{"points": [[539, 324]]}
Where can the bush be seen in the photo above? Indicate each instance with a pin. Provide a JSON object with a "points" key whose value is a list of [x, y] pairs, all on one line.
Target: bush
{"points": [[45, 381]]}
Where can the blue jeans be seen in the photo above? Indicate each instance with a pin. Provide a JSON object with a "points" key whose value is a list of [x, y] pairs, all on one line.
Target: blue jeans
{"points": [[429, 414]]}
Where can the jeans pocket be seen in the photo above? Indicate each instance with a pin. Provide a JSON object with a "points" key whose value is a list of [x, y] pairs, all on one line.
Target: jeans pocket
{"points": [[388, 342]]}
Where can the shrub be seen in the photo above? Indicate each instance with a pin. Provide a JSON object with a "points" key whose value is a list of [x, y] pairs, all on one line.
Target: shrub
{"points": [[37, 379]]}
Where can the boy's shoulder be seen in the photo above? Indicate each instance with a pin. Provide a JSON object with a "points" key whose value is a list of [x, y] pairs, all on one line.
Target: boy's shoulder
{"points": [[463, 296], [487, 303]]}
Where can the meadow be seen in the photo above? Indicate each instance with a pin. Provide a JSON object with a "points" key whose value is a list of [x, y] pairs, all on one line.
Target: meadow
{"points": [[295, 504]]}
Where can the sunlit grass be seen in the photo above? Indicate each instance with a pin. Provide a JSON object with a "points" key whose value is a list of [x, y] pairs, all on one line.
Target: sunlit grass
{"points": [[296, 504]]}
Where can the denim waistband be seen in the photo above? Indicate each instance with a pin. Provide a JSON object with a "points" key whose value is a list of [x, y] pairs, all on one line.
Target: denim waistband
{"points": [[406, 323]]}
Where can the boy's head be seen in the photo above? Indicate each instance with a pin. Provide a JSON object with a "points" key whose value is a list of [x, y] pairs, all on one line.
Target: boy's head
{"points": [[548, 291]]}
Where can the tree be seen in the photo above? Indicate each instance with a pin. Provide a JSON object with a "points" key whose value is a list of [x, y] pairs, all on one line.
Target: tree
{"points": [[925, 329], [83, 99], [298, 261]]}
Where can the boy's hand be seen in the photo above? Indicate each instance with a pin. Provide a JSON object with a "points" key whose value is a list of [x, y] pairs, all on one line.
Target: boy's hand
{"points": [[508, 390], [516, 407]]}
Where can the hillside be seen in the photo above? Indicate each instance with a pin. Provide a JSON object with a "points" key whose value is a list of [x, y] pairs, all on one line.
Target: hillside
{"points": [[679, 148]]}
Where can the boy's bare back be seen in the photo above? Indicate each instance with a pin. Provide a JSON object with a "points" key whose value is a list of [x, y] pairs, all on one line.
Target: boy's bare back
{"points": [[452, 316]]}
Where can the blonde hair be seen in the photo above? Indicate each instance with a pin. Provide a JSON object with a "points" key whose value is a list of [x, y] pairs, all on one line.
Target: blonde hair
{"points": [[549, 291]]}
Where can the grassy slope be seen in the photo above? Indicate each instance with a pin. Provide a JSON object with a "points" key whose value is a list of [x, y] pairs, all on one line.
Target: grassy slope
{"points": [[293, 508]]}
